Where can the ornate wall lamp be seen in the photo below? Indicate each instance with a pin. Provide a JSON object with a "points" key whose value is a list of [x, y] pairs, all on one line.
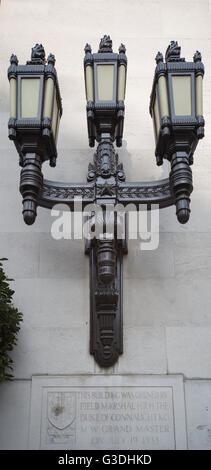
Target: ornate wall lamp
{"points": [[35, 111]]}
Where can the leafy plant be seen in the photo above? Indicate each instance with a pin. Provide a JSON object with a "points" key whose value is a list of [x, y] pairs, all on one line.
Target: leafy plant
{"points": [[10, 319]]}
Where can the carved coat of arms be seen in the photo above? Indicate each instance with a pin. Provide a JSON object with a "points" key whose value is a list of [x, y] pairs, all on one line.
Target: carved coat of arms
{"points": [[61, 416]]}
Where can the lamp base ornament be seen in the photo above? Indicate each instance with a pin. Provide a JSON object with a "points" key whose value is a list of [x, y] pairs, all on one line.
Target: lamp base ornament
{"points": [[181, 182], [106, 319], [31, 182]]}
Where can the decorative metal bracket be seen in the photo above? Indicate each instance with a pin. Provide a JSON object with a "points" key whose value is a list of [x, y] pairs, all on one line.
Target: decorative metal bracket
{"points": [[105, 185], [155, 192], [106, 320], [176, 136]]}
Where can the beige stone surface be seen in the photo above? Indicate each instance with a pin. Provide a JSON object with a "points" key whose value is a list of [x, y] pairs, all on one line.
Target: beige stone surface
{"points": [[15, 410], [188, 350], [140, 344], [198, 397], [56, 350], [167, 300]]}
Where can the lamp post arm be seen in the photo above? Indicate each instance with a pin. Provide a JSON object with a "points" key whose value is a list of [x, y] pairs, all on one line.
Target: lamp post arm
{"points": [[53, 192], [152, 192], [105, 185]]}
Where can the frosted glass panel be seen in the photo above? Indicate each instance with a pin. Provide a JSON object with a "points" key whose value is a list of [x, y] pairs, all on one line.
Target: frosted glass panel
{"points": [[13, 110], [199, 96], [89, 83], [30, 92], [164, 107], [121, 82], [48, 100], [55, 114], [105, 81], [156, 117], [182, 95]]}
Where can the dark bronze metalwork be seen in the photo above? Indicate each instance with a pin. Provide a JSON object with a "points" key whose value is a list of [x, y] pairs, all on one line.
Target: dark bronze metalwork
{"points": [[31, 181], [178, 135], [106, 325], [181, 183], [37, 55], [105, 116], [105, 44], [34, 135], [106, 186]]}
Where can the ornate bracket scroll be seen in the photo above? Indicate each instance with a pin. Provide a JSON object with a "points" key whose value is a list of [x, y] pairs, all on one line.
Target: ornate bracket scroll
{"points": [[106, 185], [65, 193], [156, 192], [106, 322]]}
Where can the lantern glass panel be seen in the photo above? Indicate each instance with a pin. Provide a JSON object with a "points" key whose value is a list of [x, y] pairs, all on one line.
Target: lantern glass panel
{"points": [[199, 95], [105, 82], [30, 92], [54, 117], [48, 100], [121, 82], [89, 83], [163, 94], [13, 98], [181, 85], [156, 118]]}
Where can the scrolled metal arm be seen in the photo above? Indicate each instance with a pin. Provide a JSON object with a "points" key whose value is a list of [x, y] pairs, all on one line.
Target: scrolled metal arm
{"points": [[106, 185], [156, 192], [53, 192]]}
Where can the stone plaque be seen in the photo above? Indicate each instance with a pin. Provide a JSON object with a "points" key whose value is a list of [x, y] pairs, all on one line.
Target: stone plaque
{"points": [[108, 412]]}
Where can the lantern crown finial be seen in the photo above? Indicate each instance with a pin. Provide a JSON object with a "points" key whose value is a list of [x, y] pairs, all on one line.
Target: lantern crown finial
{"points": [[51, 59], [37, 55], [197, 56], [122, 48], [173, 52], [105, 44], [13, 60], [87, 48], [159, 58]]}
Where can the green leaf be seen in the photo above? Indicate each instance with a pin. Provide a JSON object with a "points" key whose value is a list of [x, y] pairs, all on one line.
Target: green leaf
{"points": [[10, 319]]}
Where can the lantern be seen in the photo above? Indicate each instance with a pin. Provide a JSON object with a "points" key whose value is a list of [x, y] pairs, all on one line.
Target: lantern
{"points": [[105, 82], [35, 105], [176, 103]]}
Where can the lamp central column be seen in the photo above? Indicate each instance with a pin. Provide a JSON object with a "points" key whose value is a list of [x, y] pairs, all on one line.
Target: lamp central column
{"points": [[31, 181], [106, 258], [181, 183]]}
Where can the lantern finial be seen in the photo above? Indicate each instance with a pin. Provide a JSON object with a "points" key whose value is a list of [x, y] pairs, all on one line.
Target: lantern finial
{"points": [[105, 44], [51, 59], [37, 55], [122, 49], [13, 59], [87, 48], [173, 52], [159, 57], [197, 56]]}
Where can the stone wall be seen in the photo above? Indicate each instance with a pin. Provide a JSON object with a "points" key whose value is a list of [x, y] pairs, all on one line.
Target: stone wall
{"points": [[167, 301]]}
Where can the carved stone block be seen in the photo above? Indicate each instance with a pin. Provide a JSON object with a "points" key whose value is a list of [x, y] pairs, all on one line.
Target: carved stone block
{"points": [[108, 412]]}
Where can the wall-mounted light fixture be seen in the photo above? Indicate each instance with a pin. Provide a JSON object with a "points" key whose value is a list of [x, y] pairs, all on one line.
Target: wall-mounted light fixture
{"points": [[35, 111]]}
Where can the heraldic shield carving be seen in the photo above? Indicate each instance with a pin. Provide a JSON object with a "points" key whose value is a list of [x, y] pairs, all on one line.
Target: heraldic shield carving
{"points": [[61, 417]]}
